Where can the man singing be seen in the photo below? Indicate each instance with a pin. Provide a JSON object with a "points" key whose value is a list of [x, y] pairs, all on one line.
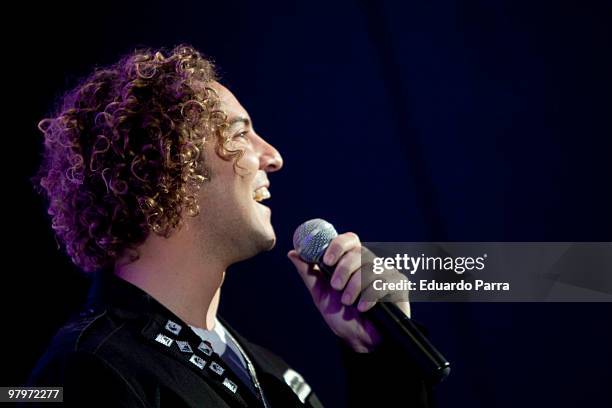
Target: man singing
{"points": [[156, 179]]}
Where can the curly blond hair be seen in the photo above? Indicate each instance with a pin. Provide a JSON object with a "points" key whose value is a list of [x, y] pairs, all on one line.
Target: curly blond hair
{"points": [[123, 154]]}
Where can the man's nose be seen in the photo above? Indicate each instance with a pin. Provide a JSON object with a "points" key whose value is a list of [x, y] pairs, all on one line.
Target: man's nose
{"points": [[270, 160]]}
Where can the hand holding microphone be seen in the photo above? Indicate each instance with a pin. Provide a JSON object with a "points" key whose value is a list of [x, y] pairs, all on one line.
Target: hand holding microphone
{"points": [[330, 265]]}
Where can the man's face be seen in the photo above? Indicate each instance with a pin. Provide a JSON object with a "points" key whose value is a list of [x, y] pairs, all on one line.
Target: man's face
{"points": [[231, 211]]}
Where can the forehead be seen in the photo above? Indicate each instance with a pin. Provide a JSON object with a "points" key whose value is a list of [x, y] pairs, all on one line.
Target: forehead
{"points": [[229, 103]]}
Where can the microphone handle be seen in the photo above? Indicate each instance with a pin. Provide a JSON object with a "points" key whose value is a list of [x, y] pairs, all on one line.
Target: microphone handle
{"points": [[400, 329]]}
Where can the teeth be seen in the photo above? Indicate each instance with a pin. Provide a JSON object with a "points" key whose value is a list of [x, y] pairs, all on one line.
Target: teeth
{"points": [[261, 194]]}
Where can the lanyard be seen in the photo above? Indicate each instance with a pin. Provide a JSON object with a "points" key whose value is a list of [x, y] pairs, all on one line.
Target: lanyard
{"points": [[251, 369]]}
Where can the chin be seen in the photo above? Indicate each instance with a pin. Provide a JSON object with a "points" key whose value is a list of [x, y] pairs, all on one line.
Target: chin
{"points": [[258, 243], [268, 239], [270, 244], [262, 234]]}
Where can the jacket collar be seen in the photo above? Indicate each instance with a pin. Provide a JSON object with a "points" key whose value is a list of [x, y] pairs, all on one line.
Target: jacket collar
{"points": [[167, 332], [108, 290]]}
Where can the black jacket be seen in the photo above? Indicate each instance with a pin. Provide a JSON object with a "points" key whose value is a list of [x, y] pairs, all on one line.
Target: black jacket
{"points": [[123, 352]]}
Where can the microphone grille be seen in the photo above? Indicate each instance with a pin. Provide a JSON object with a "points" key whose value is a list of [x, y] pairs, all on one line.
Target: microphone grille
{"points": [[312, 238]]}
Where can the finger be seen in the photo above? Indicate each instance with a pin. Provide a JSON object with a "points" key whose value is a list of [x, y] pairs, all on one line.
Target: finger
{"points": [[367, 256], [404, 306], [314, 280], [358, 282], [348, 264], [369, 297], [339, 245], [305, 270], [353, 287], [347, 269]]}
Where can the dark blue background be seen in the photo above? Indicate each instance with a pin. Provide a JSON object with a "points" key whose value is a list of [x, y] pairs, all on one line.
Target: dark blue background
{"points": [[401, 121]]}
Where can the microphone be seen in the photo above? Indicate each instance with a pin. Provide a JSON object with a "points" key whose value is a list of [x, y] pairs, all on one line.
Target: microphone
{"points": [[310, 240]]}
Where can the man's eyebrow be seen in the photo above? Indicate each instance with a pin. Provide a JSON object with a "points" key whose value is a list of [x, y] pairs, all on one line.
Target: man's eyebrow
{"points": [[246, 121]]}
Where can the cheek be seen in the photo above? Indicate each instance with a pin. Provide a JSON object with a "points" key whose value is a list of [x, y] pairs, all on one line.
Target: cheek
{"points": [[248, 165]]}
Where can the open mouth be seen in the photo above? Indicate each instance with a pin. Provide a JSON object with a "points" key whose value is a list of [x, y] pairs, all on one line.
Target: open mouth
{"points": [[260, 194]]}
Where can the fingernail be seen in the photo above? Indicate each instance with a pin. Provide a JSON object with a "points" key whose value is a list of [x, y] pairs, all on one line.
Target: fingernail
{"points": [[363, 305], [336, 283], [346, 298], [329, 258]]}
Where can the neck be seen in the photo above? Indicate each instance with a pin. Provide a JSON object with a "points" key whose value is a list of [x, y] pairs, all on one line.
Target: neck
{"points": [[181, 275]]}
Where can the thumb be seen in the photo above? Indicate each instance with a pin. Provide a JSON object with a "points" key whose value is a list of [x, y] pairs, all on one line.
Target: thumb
{"points": [[309, 276]]}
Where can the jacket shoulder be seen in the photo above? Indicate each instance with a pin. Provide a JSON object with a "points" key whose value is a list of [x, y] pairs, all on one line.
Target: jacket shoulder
{"points": [[73, 360], [81, 337]]}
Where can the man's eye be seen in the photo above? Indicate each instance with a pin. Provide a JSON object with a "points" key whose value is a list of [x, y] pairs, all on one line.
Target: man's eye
{"points": [[243, 134]]}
